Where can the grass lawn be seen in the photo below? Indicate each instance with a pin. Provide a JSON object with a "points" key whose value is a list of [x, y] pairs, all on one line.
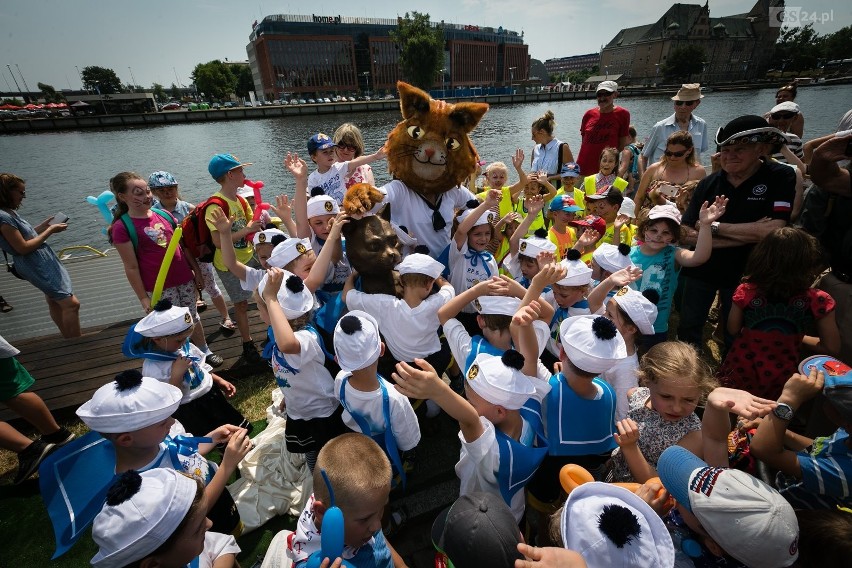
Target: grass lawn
{"points": [[23, 517]]}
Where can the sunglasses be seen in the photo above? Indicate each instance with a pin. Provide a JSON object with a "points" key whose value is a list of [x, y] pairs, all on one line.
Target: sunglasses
{"points": [[782, 115], [349, 147], [681, 103], [671, 154], [603, 94]]}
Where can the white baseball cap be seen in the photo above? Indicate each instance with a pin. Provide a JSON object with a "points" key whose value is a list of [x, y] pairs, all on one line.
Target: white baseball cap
{"points": [[666, 211]]}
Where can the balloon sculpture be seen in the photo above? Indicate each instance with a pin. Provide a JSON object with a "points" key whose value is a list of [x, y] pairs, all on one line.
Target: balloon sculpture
{"points": [[102, 203], [331, 531], [166, 264], [259, 205]]}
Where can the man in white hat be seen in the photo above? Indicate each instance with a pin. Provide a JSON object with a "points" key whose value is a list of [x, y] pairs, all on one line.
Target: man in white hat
{"points": [[686, 101], [757, 190], [605, 126]]}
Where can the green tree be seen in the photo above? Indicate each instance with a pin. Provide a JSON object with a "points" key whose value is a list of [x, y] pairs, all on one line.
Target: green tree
{"points": [[421, 49], [214, 79], [16, 102], [838, 45], [245, 81], [578, 77], [798, 48], [101, 78], [159, 92], [50, 94], [176, 92], [683, 62]]}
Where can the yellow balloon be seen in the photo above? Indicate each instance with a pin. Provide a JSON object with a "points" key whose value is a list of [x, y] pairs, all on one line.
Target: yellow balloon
{"points": [[167, 263]]}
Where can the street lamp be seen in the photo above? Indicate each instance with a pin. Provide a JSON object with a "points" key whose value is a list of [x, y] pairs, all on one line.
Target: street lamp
{"points": [[443, 83], [366, 75], [511, 80]]}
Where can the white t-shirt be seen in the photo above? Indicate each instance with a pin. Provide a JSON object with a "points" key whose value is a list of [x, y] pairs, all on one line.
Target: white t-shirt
{"points": [[162, 371], [409, 332], [553, 344], [308, 393], [463, 275], [622, 377], [404, 425], [332, 182], [410, 210], [253, 278], [194, 465], [216, 545]]}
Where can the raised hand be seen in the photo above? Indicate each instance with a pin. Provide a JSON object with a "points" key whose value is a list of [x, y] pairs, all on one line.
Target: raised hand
{"points": [[740, 402], [628, 432], [711, 212], [296, 166], [518, 159]]}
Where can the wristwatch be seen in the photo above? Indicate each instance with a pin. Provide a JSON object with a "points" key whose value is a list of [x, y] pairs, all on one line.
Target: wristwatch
{"points": [[714, 228], [783, 411]]}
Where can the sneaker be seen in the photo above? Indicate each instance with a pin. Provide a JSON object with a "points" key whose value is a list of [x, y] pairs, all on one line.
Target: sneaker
{"points": [[251, 355], [214, 360], [58, 438], [30, 458]]}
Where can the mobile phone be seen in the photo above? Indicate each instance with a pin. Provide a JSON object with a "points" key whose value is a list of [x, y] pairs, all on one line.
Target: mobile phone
{"points": [[668, 190], [59, 218]]}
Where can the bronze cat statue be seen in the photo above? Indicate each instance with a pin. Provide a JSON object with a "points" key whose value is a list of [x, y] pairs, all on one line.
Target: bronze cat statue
{"points": [[373, 250]]}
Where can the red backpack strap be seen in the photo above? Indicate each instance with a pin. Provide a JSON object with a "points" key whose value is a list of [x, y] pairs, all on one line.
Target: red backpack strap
{"points": [[245, 206], [216, 200]]}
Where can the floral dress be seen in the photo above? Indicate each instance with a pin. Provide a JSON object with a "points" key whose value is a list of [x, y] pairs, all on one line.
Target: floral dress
{"points": [[766, 352]]}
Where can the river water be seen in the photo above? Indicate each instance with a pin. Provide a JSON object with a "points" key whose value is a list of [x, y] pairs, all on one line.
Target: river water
{"points": [[62, 168]]}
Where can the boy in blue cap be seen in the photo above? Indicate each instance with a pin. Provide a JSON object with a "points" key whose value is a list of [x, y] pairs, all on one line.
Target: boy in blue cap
{"points": [[330, 174]]}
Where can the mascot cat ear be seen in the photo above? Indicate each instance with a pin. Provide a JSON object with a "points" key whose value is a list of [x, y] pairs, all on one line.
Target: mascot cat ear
{"points": [[414, 102]]}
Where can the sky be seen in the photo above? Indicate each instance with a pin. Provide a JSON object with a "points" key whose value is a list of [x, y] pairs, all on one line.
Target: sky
{"points": [[163, 40]]}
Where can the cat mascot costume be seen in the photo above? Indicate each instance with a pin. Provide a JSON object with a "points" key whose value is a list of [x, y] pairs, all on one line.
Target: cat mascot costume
{"points": [[429, 155]]}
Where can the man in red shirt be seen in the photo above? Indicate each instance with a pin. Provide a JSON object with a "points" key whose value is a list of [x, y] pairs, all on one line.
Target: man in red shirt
{"points": [[602, 127]]}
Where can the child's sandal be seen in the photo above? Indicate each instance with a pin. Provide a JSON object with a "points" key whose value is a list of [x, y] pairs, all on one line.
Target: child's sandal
{"points": [[5, 306]]}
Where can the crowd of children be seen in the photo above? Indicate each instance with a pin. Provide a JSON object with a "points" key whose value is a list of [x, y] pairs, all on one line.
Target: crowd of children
{"points": [[549, 319]]}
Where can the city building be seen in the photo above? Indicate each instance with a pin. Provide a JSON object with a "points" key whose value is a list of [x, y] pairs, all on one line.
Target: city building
{"points": [[565, 65], [315, 55], [736, 48]]}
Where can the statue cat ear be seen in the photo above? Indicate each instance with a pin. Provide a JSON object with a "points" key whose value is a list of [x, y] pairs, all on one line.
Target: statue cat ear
{"points": [[412, 101], [384, 212], [467, 115]]}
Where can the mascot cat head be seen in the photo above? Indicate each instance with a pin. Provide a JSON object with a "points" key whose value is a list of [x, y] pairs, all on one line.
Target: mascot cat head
{"points": [[374, 251], [430, 150]]}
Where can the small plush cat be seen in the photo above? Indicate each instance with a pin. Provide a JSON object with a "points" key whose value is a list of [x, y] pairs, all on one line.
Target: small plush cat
{"points": [[373, 250]]}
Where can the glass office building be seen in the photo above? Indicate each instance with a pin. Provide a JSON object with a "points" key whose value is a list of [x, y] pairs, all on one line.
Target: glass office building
{"points": [[318, 56]]}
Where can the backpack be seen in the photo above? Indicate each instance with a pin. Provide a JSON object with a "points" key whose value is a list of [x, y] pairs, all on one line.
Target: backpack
{"points": [[131, 228], [557, 183], [196, 234], [634, 162]]}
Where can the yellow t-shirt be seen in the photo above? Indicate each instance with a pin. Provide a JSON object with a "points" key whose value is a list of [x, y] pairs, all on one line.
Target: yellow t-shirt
{"points": [[239, 219]]}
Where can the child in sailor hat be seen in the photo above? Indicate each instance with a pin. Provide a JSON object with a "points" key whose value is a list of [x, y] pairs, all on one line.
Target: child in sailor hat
{"points": [[568, 299], [363, 391], [158, 517], [523, 262], [409, 324], [298, 355], [579, 410], [135, 414], [161, 340]]}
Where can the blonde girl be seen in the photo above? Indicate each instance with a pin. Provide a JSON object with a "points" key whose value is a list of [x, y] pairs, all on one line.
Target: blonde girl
{"points": [[673, 381]]}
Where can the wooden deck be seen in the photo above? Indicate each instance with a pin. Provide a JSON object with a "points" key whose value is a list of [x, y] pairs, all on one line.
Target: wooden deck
{"points": [[68, 371]]}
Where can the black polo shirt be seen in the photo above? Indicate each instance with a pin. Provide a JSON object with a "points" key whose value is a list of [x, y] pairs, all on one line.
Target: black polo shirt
{"points": [[768, 193]]}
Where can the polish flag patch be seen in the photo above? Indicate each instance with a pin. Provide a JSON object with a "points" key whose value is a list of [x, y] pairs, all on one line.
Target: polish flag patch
{"points": [[781, 206]]}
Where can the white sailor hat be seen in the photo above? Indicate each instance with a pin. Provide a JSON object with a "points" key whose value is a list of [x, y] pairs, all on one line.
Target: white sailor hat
{"points": [[641, 310], [419, 263], [164, 320], [577, 272], [356, 341], [265, 237], [129, 403], [322, 205], [293, 297], [286, 252], [612, 258], [487, 218], [533, 246], [142, 511], [497, 305], [499, 380], [591, 343]]}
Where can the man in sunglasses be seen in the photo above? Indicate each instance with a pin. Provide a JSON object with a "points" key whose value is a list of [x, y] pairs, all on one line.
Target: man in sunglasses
{"points": [[686, 101], [760, 196], [604, 126]]}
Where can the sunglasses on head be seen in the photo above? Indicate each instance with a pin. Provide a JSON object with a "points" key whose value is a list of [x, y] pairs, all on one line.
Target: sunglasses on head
{"points": [[671, 154], [681, 103], [782, 115]]}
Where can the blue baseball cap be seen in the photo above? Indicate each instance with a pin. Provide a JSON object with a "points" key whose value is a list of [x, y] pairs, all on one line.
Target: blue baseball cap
{"points": [[570, 169], [838, 381], [564, 203], [220, 164], [161, 179], [320, 141]]}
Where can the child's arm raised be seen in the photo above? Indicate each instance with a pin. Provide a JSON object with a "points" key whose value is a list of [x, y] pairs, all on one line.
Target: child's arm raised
{"points": [[491, 200], [352, 165], [716, 423], [518, 163], [627, 439], [348, 285], [299, 169], [238, 446], [229, 255], [284, 211], [534, 206], [426, 384], [494, 286], [285, 339], [329, 250], [617, 279], [704, 243], [523, 336]]}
